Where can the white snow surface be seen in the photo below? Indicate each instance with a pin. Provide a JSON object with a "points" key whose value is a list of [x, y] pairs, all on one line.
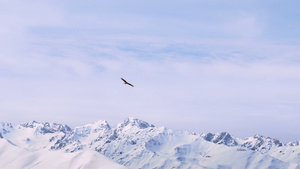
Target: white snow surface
{"points": [[13, 157], [137, 144]]}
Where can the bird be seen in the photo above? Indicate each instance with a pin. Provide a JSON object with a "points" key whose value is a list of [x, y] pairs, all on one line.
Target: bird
{"points": [[125, 82]]}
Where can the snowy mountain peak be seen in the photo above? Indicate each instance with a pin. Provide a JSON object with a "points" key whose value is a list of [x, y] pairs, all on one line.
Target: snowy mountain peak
{"points": [[294, 143], [264, 140], [30, 124], [5, 128], [261, 143], [101, 124], [54, 127], [220, 138], [92, 128], [138, 144], [47, 127], [131, 121]]}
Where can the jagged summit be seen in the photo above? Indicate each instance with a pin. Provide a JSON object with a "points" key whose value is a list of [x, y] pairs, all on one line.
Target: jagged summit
{"points": [[138, 144], [46, 127], [260, 143], [92, 128], [30, 124], [131, 121], [220, 138], [55, 127], [293, 143], [101, 124], [5, 127]]}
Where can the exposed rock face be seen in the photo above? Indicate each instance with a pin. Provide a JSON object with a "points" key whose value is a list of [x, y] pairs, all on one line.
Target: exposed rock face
{"points": [[5, 127], [294, 143], [137, 144], [260, 143], [220, 138], [47, 127]]}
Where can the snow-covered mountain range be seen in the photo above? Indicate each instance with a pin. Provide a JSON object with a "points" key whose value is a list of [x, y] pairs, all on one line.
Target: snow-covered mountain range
{"points": [[136, 144]]}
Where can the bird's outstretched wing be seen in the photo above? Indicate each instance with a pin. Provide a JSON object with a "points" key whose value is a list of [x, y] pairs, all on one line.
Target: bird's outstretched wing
{"points": [[125, 82], [130, 84]]}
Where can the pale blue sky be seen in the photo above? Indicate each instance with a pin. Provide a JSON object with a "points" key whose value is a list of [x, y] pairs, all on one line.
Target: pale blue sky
{"points": [[202, 66]]}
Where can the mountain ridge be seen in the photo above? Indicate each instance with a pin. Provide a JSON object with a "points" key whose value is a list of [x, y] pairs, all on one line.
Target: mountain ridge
{"points": [[135, 143], [56, 127]]}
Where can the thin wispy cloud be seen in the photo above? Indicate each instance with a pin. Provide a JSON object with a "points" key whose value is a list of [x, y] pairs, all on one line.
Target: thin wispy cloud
{"points": [[208, 68]]}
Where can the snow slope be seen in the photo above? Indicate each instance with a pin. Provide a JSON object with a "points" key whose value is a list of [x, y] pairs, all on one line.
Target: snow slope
{"points": [[137, 144], [13, 157]]}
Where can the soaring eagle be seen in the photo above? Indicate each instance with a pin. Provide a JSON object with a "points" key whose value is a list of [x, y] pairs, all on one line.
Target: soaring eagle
{"points": [[125, 82]]}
